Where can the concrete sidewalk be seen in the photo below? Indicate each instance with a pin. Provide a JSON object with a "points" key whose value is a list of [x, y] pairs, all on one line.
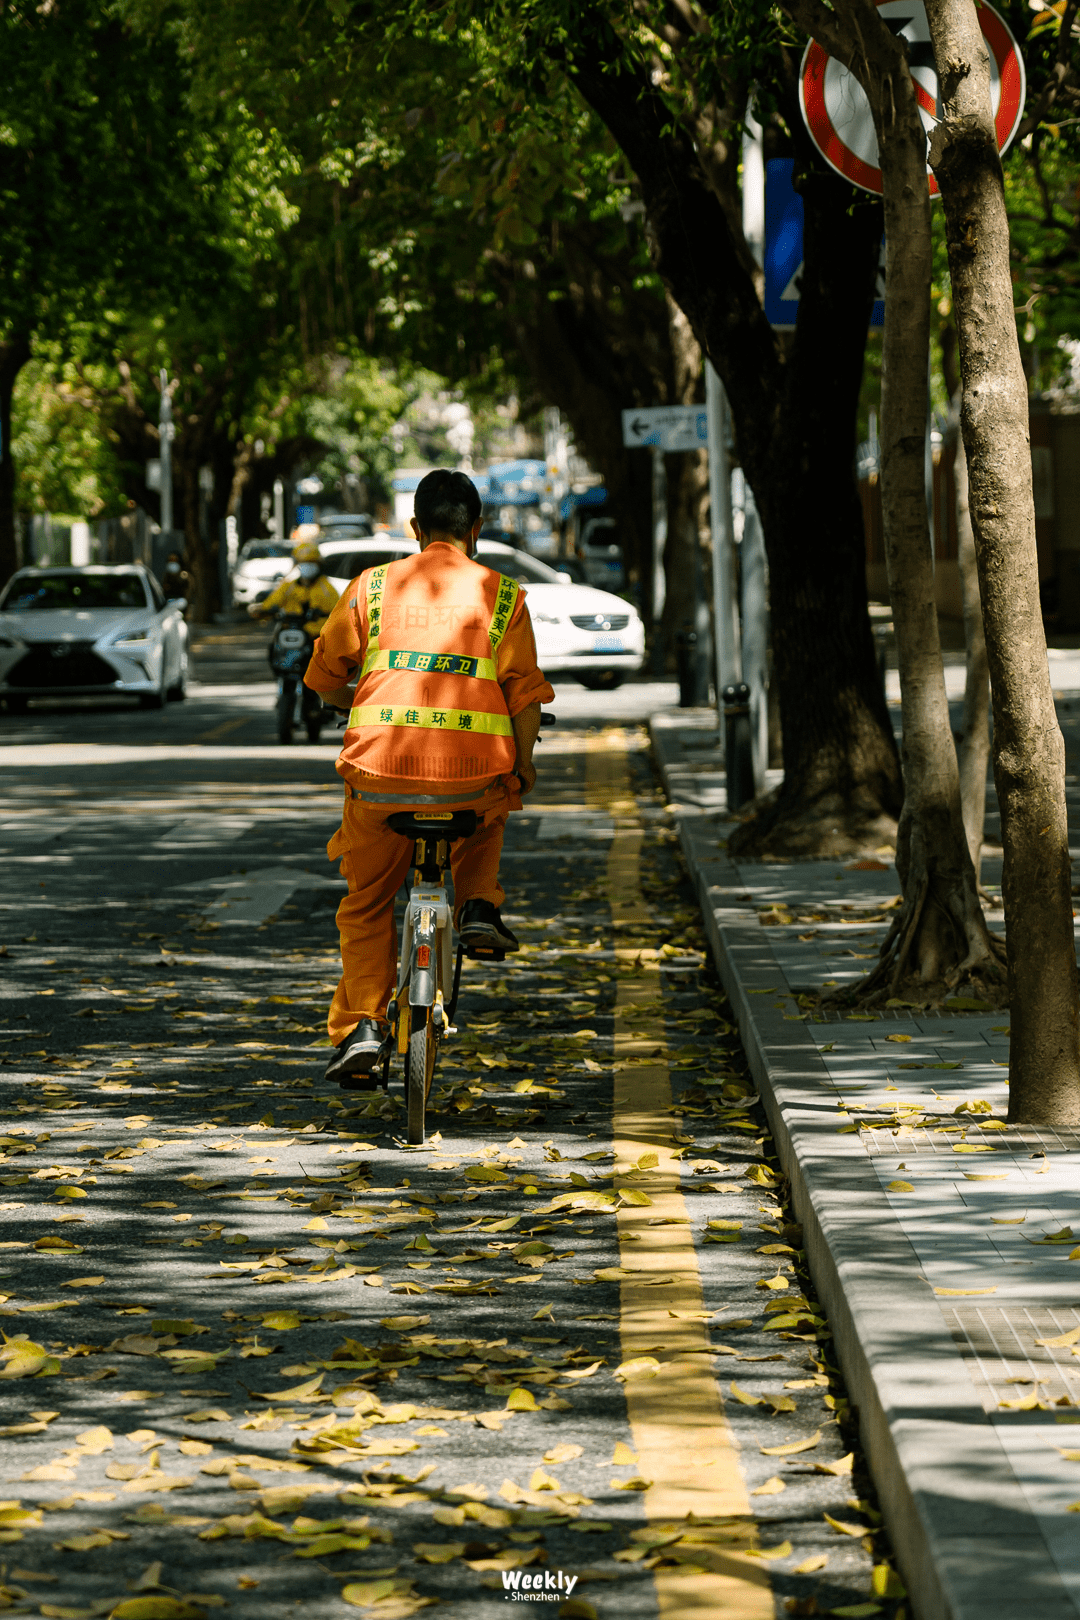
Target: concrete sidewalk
{"points": [[935, 1232]]}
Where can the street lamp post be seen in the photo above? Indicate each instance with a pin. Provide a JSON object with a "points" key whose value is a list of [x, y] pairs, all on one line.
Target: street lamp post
{"points": [[166, 431]]}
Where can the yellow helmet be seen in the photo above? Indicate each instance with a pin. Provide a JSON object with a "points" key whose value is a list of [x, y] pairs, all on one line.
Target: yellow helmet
{"points": [[307, 551]]}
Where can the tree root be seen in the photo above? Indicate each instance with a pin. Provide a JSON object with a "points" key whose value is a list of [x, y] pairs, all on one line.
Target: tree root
{"points": [[783, 826], [905, 971]]}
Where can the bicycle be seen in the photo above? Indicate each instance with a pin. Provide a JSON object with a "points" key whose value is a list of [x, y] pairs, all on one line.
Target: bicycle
{"points": [[419, 1013], [421, 1019]]}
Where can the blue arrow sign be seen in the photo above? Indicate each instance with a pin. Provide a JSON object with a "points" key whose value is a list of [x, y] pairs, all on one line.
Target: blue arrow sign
{"points": [[784, 249]]}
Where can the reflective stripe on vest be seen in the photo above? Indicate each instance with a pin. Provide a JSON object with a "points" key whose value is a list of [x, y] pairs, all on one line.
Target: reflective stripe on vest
{"points": [[480, 669], [389, 658], [464, 720]]}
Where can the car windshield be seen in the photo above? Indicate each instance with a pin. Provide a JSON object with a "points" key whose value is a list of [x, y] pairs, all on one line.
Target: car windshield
{"points": [[30, 593], [343, 525], [260, 550], [526, 570], [347, 564]]}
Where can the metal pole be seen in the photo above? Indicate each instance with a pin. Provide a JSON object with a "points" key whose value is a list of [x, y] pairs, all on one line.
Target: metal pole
{"points": [[659, 495], [755, 627], [725, 612], [753, 187], [279, 509], [165, 434]]}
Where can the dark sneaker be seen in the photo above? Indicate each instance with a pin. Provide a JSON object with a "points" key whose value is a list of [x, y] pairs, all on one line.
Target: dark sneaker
{"points": [[481, 928], [353, 1062]]}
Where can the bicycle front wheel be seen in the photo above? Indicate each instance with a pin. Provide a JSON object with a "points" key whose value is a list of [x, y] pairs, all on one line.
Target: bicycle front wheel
{"points": [[421, 1072]]}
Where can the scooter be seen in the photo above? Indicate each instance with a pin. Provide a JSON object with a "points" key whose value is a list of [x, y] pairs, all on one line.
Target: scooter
{"points": [[297, 705]]}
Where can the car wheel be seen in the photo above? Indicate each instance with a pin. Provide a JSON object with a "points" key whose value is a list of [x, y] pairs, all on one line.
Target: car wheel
{"points": [[17, 705], [178, 692], [602, 680]]}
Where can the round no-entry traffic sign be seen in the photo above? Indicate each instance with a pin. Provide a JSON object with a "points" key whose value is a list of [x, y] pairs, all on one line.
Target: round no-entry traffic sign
{"points": [[837, 113]]}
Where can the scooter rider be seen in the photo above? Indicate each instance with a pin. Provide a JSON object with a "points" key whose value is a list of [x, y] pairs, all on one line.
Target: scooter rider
{"points": [[308, 591], [444, 716]]}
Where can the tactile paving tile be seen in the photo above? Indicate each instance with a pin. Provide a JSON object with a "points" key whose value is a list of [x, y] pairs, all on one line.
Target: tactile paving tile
{"points": [[998, 1343], [885, 1137]]}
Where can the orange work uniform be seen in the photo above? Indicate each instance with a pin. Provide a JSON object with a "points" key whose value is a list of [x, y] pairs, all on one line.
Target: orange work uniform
{"points": [[446, 658]]}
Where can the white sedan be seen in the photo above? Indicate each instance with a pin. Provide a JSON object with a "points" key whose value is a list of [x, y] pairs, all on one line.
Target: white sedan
{"points": [[595, 636], [89, 632], [261, 565], [590, 634]]}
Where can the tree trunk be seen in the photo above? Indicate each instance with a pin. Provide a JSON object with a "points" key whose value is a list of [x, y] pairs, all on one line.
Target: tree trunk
{"points": [[795, 430], [842, 787], [200, 555], [975, 733], [686, 582], [940, 933], [1029, 755], [13, 356]]}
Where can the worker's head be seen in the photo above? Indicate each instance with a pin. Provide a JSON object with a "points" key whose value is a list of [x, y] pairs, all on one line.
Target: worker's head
{"points": [[174, 564], [303, 533], [308, 557], [448, 507]]}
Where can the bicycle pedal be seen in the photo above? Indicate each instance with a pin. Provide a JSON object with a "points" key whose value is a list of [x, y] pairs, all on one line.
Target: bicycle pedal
{"points": [[482, 953]]}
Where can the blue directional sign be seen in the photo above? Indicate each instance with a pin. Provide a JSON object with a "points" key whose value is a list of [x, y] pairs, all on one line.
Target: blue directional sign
{"points": [[784, 249]]}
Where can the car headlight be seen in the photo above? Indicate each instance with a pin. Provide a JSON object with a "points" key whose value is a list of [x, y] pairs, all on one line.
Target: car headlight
{"points": [[546, 618], [133, 635]]}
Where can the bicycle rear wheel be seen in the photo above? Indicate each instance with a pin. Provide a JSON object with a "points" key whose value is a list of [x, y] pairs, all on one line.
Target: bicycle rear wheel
{"points": [[419, 1075]]}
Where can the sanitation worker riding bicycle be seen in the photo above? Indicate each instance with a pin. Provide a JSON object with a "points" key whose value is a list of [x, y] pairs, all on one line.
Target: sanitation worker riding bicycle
{"points": [[444, 716]]}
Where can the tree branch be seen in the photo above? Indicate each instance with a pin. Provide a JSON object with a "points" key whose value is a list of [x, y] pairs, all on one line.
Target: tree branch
{"points": [[1060, 77]]}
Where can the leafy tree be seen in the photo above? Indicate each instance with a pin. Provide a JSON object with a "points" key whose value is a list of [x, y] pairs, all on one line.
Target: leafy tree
{"points": [[63, 460], [526, 231], [466, 227], [93, 118]]}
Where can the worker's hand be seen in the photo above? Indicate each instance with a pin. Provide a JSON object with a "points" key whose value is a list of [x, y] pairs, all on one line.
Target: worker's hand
{"points": [[254, 610], [526, 775]]}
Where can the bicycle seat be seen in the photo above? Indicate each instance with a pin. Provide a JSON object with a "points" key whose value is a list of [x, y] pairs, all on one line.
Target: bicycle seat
{"points": [[451, 824]]}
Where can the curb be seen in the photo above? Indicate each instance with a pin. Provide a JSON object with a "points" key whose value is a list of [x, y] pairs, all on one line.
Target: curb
{"points": [[967, 1542]]}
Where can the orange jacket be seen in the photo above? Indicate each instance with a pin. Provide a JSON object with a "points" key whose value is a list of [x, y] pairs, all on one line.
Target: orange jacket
{"points": [[446, 657]]}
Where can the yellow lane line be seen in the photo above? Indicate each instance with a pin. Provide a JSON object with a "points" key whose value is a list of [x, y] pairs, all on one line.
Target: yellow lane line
{"points": [[224, 729], [684, 1445]]}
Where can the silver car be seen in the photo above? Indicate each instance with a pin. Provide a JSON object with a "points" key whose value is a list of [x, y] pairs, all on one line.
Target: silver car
{"points": [[89, 632]]}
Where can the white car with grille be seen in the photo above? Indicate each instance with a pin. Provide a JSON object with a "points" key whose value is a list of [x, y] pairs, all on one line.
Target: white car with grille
{"points": [[90, 632], [593, 635]]}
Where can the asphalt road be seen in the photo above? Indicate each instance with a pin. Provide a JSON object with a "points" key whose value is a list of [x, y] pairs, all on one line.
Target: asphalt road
{"points": [[228, 1291]]}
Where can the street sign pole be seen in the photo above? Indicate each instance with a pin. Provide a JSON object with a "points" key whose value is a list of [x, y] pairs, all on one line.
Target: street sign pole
{"points": [[728, 659], [755, 627], [659, 516]]}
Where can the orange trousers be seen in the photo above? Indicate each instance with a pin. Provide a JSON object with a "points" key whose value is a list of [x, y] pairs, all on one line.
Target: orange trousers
{"points": [[374, 862]]}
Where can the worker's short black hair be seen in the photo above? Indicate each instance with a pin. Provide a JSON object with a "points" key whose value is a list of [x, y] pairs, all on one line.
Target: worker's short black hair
{"points": [[447, 502]]}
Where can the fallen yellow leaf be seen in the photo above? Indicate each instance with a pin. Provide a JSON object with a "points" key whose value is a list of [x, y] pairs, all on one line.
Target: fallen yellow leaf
{"points": [[955, 1293], [792, 1446], [843, 1527]]}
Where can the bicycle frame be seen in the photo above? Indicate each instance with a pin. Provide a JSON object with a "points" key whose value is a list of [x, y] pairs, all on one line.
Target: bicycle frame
{"points": [[418, 1013]]}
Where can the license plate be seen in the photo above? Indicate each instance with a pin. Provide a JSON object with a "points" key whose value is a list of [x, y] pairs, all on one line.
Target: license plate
{"points": [[608, 644]]}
